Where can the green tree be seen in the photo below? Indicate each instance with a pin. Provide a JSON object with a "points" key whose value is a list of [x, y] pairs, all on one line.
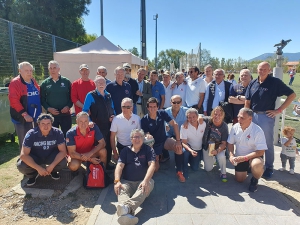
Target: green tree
{"points": [[62, 18], [215, 62], [134, 51], [168, 56], [86, 38]]}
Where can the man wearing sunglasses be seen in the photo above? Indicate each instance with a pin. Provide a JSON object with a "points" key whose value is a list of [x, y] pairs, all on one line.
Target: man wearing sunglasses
{"points": [[42, 145], [121, 127]]}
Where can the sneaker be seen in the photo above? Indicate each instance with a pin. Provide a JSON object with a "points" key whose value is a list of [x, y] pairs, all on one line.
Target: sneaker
{"points": [[282, 169], [55, 176], [122, 210], [223, 177], [268, 173], [292, 171], [31, 181], [128, 219], [180, 177], [253, 184]]}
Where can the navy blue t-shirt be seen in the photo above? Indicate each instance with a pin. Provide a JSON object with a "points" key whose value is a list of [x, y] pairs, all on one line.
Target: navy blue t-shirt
{"points": [[136, 164], [156, 127], [40, 145], [263, 96], [117, 93], [236, 90]]}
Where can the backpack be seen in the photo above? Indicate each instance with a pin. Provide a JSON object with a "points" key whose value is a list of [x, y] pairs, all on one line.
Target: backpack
{"points": [[95, 176]]}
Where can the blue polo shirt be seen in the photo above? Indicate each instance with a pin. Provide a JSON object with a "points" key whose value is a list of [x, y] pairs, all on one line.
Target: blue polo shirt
{"points": [[157, 91], [85, 143], [41, 146], [118, 92], [263, 96], [234, 91], [156, 127], [136, 164], [180, 119]]}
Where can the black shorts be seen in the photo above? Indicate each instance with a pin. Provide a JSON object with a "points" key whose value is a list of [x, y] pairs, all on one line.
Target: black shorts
{"points": [[242, 167]]}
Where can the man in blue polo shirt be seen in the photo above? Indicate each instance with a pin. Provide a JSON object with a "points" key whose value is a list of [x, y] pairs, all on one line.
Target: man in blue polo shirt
{"points": [[81, 141], [42, 145], [153, 123], [261, 96], [119, 89], [157, 89]]}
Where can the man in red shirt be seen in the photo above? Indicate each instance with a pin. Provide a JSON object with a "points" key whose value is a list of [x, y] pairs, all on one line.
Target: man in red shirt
{"points": [[81, 145], [81, 87]]}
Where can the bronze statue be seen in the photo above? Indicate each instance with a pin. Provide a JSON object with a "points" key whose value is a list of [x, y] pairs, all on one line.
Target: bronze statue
{"points": [[281, 45]]}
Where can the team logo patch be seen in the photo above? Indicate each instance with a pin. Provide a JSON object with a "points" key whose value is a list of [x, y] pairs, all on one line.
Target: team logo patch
{"points": [[133, 122], [150, 124], [48, 86], [62, 85], [248, 137], [126, 92]]}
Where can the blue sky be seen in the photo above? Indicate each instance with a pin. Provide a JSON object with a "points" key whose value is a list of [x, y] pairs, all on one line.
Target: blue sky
{"points": [[228, 28]]}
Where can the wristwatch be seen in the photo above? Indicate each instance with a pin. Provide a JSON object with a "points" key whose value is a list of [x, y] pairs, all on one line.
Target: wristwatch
{"points": [[116, 181]]}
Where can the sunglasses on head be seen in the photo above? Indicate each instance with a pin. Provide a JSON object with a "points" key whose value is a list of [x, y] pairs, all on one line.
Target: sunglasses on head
{"points": [[126, 106], [178, 102]]}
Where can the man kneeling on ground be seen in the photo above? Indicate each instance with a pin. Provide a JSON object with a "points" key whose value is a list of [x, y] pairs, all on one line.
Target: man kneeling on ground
{"points": [[81, 141], [42, 145], [250, 144], [137, 164]]}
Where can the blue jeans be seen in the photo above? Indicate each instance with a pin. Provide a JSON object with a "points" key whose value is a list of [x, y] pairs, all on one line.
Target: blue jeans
{"points": [[134, 109], [284, 158], [291, 80], [193, 161], [267, 125]]}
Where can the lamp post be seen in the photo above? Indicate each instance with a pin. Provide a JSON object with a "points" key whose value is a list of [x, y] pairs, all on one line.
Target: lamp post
{"points": [[155, 18]]}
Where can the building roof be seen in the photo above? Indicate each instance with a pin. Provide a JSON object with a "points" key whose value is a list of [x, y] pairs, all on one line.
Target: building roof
{"points": [[292, 63]]}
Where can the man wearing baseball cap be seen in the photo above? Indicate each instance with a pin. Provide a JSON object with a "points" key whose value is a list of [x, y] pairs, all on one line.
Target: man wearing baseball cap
{"points": [[134, 85], [81, 87]]}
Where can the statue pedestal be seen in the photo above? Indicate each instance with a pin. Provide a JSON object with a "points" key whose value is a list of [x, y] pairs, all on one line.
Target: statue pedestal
{"points": [[278, 73]]}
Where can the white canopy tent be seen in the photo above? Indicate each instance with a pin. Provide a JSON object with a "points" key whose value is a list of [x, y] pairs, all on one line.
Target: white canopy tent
{"points": [[100, 52]]}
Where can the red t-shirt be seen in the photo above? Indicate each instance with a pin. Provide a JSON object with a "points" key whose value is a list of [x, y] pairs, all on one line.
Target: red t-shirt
{"points": [[79, 91]]}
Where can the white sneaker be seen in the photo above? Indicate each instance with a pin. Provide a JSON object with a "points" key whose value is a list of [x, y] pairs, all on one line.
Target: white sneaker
{"points": [[122, 210], [128, 219], [282, 169], [292, 171]]}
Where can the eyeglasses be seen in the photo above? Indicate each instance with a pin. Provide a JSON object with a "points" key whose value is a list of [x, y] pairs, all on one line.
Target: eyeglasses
{"points": [[44, 117], [136, 137], [126, 106], [176, 102]]}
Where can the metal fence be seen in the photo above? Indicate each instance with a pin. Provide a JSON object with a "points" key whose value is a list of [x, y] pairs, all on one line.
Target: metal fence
{"points": [[19, 43]]}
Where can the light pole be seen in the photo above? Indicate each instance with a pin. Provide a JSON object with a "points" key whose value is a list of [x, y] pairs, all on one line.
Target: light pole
{"points": [[155, 18]]}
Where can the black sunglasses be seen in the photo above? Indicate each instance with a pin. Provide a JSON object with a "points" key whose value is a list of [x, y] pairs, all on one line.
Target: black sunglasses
{"points": [[126, 106], [176, 102]]}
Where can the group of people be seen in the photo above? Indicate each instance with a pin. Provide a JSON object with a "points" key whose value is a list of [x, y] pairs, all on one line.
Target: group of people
{"points": [[114, 117]]}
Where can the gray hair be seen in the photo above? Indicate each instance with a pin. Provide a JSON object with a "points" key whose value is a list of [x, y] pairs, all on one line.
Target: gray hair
{"points": [[82, 113], [45, 116], [248, 111], [53, 62], [119, 68], [140, 131], [223, 71], [141, 69], [98, 77], [24, 64], [191, 110], [127, 100], [102, 68], [178, 74], [245, 71], [208, 66]]}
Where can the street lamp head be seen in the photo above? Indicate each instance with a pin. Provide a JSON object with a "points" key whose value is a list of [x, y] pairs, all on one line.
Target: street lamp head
{"points": [[155, 17]]}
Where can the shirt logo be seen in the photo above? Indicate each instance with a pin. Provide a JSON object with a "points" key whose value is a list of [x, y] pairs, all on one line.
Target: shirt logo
{"points": [[62, 85], [248, 137], [49, 86], [150, 124], [133, 122], [126, 92], [33, 93]]}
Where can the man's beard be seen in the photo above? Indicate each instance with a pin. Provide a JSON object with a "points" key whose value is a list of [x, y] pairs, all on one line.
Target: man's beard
{"points": [[128, 75]]}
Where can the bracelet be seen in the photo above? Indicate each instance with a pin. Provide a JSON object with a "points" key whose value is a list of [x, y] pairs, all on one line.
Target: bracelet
{"points": [[239, 97], [116, 181], [246, 158], [279, 110], [24, 114]]}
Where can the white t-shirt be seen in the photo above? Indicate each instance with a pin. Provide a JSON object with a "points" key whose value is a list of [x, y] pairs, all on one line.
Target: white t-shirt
{"points": [[193, 90], [250, 140], [290, 150], [193, 136], [180, 90], [123, 127], [168, 94]]}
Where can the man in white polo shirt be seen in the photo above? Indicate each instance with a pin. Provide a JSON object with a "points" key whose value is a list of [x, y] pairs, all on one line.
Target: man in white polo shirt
{"points": [[121, 127], [167, 83], [195, 90], [250, 143], [192, 141], [180, 87]]}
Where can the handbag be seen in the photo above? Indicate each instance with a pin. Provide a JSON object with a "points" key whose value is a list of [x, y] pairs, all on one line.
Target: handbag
{"points": [[95, 176]]}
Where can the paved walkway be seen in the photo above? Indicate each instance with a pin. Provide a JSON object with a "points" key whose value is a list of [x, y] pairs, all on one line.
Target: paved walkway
{"points": [[205, 199]]}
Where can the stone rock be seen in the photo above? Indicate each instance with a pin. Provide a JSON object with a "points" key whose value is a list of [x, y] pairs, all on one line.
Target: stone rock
{"points": [[36, 210]]}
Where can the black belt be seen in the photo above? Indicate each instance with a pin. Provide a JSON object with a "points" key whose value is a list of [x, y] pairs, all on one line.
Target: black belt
{"points": [[260, 112]]}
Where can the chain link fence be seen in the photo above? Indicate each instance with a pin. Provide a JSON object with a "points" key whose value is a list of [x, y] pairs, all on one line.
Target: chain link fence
{"points": [[19, 43]]}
